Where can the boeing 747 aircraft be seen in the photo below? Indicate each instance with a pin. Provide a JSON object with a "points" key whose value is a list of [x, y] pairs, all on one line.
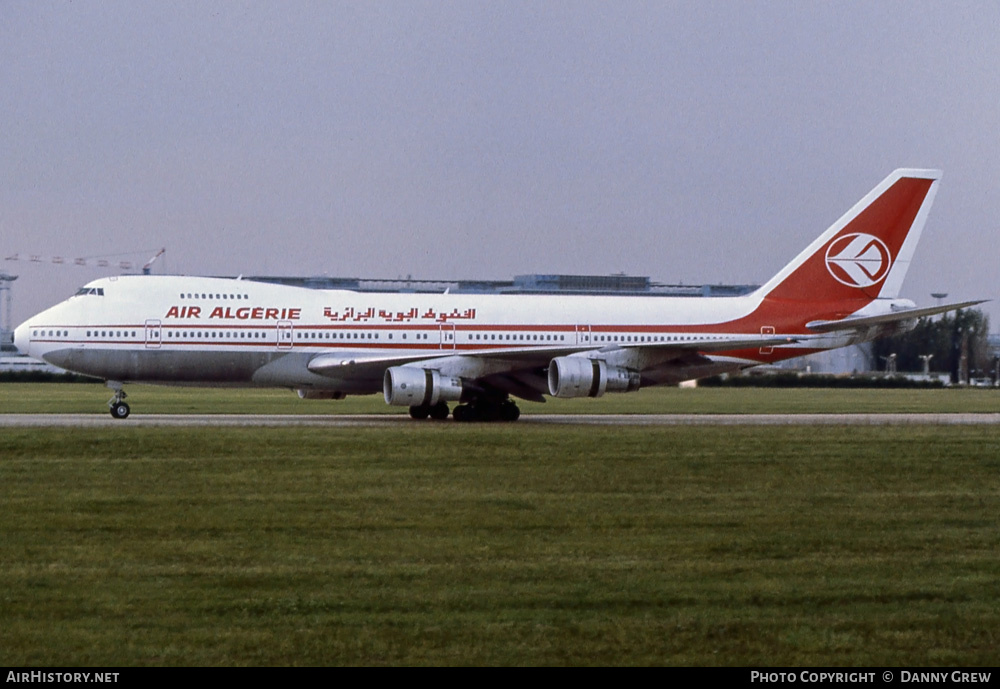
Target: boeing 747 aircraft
{"points": [[423, 351]]}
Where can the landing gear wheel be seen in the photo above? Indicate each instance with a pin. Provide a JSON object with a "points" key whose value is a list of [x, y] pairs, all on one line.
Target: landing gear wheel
{"points": [[439, 411], [119, 409], [509, 411], [420, 412], [487, 410]]}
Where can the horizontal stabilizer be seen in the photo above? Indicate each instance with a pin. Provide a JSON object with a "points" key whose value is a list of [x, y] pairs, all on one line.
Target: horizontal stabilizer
{"points": [[866, 321]]}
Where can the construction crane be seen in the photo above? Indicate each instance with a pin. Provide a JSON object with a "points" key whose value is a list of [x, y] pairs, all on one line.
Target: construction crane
{"points": [[106, 261], [150, 262], [89, 261]]}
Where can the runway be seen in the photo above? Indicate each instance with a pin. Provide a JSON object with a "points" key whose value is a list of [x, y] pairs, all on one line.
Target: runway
{"points": [[403, 420]]}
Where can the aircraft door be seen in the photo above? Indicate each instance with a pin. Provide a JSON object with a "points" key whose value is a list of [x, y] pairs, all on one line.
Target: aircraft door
{"points": [[285, 334], [767, 331], [153, 334], [583, 334], [448, 336]]}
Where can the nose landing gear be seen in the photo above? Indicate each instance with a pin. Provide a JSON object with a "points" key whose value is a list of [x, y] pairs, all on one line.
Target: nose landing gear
{"points": [[119, 408]]}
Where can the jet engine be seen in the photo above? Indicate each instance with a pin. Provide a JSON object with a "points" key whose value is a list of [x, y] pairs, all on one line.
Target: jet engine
{"points": [[581, 377], [410, 387]]}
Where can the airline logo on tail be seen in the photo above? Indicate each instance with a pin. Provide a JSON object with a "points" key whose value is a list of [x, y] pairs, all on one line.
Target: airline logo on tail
{"points": [[858, 260]]}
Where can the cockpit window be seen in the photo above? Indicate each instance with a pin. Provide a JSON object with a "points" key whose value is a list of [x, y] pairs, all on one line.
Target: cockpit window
{"points": [[99, 291]]}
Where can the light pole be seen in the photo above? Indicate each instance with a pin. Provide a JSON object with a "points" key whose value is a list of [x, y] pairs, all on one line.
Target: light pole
{"points": [[5, 281], [927, 363]]}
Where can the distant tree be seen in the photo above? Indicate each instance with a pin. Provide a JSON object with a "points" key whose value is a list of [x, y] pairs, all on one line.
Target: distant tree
{"points": [[942, 337], [976, 325]]}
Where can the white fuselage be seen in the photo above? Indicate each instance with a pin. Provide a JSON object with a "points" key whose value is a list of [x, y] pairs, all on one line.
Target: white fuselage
{"points": [[213, 331]]}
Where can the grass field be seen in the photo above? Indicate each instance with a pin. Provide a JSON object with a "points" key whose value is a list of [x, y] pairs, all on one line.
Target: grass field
{"points": [[504, 544], [149, 399]]}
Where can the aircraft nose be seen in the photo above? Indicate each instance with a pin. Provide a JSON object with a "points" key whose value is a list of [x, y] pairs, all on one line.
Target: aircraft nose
{"points": [[21, 339]]}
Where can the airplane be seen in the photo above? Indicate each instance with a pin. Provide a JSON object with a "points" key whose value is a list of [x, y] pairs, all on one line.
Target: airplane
{"points": [[423, 351]]}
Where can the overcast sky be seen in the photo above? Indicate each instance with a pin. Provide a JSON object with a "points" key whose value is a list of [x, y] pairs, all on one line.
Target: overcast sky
{"points": [[688, 141]]}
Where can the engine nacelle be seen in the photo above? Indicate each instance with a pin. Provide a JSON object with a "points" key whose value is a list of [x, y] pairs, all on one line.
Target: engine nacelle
{"points": [[321, 395], [406, 386], [574, 376]]}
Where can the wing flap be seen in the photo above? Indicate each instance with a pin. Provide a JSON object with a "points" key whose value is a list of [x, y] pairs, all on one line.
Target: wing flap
{"points": [[714, 344], [530, 385]]}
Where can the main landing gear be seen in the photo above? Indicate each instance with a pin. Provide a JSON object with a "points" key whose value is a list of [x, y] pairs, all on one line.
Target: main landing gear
{"points": [[480, 409], [437, 411], [119, 408]]}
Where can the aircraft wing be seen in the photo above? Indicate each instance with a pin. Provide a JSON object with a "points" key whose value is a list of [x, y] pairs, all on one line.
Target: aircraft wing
{"points": [[895, 317], [345, 364], [522, 372]]}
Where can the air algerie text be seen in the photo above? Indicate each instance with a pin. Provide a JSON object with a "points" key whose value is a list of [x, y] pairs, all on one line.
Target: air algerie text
{"points": [[242, 313]]}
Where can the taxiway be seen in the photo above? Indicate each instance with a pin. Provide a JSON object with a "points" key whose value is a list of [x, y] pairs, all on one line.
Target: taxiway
{"points": [[401, 420]]}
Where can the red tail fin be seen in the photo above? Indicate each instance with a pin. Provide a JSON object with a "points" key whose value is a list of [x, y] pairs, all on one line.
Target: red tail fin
{"points": [[865, 254]]}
